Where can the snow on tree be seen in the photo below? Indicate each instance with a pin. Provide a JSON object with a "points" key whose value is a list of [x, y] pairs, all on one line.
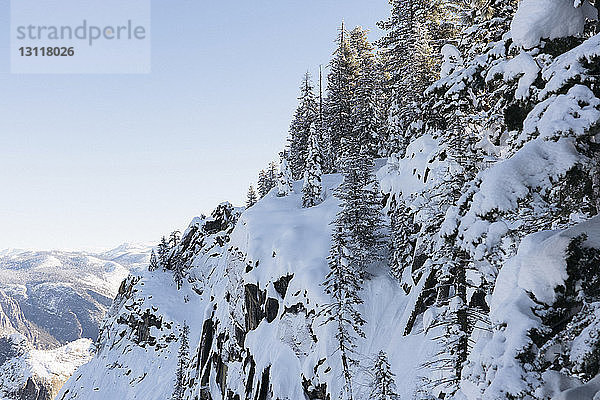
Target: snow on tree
{"points": [[267, 179], [382, 385], [356, 245], [366, 119], [178, 274], [549, 19], [341, 81], [174, 238], [343, 283], [262, 184], [164, 253], [484, 22], [251, 198], [183, 360], [153, 266], [284, 178], [312, 188], [305, 115], [271, 175], [416, 30]]}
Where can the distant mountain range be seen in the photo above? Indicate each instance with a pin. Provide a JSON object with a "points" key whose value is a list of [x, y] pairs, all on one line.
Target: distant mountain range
{"points": [[56, 297], [51, 306]]}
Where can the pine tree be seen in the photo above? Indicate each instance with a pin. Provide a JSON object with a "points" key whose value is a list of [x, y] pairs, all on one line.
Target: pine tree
{"points": [[174, 238], [305, 115], [271, 175], [153, 262], [164, 250], [284, 178], [416, 31], [356, 244], [178, 273], [183, 360], [400, 48], [263, 185], [361, 204], [383, 386], [343, 283], [367, 94], [312, 188], [341, 82], [251, 197]]}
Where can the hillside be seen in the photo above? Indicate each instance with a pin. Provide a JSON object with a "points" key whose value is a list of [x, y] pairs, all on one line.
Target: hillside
{"points": [[432, 231]]}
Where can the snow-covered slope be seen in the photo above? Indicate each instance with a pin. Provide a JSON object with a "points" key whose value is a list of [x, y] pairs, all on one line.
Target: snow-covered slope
{"points": [[252, 303], [491, 205]]}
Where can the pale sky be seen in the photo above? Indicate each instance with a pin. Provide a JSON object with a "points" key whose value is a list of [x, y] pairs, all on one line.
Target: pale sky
{"points": [[92, 161]]}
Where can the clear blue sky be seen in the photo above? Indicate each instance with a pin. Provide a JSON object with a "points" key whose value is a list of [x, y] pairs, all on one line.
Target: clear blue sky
{"points": [[97, 160]]}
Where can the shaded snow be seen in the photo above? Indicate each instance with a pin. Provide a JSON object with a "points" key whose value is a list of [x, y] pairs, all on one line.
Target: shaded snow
{"points": [[526, 280]]}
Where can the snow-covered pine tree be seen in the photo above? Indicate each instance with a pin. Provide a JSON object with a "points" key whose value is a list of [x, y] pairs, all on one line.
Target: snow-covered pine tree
{"points": [[402, 240], [164, 253], [343, 283], [485, 22], [305, 115], [356, 244], [271, 175], [323, 132], [312, 187], [263, 185], [183, 359], [400, 48], [178, 274], [366, 120], [284, 178], [153, 266], [361, 204], [341, 81], [416, 31], [251, 198], [382, 385], [174, 238]]}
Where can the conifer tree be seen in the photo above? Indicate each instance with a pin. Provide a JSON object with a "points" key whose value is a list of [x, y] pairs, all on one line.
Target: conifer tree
{"points": [[416, 31], [284, 178], [271, 175], [312, 188], [164, 253], [263, 185], [183, 359], [251, 198], [153, 262], [306, 114], [178, 273], [361, 204], [174, 238], [341, 81], [356, 244], [343, 283], [383, 386], [365, 103]]}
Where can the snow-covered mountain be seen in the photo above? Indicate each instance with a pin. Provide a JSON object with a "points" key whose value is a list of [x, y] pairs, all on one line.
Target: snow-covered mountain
{"points": [[55, 297], [27, 373], [252, 299], [51, 306], [464, 266]]}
